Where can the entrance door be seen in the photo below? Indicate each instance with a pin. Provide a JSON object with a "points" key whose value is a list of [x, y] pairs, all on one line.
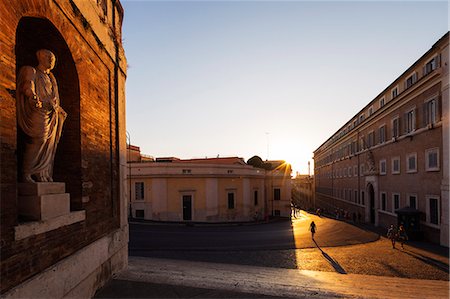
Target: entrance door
{"points": [[372, 203], [187, 207]]}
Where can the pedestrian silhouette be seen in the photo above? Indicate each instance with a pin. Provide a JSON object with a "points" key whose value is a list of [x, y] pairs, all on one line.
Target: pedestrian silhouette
{"points": [[392, 235], [312, 228]]}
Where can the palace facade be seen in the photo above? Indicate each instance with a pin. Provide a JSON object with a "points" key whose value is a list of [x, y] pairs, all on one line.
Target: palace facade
{"points": [[392, 157]]}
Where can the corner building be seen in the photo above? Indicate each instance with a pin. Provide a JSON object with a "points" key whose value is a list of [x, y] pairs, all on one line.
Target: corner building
{"points": [[393, 154], [208, 190], [73, 254]]}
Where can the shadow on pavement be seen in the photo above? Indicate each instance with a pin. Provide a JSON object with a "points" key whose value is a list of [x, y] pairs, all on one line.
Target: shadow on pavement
{"points": [[428, 260], [338, 268]]}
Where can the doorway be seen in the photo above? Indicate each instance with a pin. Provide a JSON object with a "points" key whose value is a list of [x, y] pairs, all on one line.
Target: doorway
{"points": [[372, 203], [187, 207]]}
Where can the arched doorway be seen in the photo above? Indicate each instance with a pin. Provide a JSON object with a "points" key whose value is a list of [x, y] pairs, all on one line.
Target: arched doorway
{"points": [[371, 193], [33, 34]]}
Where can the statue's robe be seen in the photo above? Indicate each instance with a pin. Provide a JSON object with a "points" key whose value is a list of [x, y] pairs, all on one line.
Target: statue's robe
{"points": [[41, 125]]}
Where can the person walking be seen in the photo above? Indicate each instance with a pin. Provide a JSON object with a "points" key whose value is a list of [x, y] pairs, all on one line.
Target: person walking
{"points": [[312, 228], [392, 235], [402, 236]]}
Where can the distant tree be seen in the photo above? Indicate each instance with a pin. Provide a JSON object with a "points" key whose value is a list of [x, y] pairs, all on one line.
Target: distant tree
{"points": [[255, 161]]}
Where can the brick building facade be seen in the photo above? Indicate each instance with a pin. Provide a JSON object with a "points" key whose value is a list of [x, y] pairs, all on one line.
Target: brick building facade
{"points": [[74, 254], [394, 153]]}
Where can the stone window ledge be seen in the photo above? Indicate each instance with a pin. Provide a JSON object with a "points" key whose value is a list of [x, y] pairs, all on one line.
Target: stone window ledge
{"points": [[29, 229]]}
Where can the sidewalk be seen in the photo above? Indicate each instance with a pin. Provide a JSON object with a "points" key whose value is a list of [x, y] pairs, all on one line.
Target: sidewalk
{"points": [[188, 279]]}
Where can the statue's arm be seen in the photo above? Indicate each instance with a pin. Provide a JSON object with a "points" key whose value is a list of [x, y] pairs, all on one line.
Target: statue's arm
{"points": [[27, 77]]}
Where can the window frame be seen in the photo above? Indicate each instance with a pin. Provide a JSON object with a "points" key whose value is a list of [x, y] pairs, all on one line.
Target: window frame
{"points": [[396, 129], [393, 159], [274, 194], [382, 136], [428, 198], [383, 193], [427, 159], [141, 191], [409, 200], [395, 88], [408, 169], [383, 161], [393, 201]]}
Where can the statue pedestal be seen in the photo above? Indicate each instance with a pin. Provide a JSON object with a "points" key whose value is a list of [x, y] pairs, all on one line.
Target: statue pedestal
{"points": [[42, 201]]}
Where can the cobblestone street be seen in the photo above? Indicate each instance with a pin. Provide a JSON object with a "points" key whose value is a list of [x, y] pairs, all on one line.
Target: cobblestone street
{"points": [[376, 258], [366, 255]]}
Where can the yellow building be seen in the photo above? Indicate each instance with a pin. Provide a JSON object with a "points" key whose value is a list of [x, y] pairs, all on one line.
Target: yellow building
{"points": [[207, 190]]}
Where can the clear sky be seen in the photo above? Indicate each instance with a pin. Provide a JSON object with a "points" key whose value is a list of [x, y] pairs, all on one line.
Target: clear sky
{"points": [[267, 78]]}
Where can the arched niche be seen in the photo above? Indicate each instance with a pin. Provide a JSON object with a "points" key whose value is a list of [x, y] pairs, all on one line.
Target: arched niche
{"points": [[33, 34]]}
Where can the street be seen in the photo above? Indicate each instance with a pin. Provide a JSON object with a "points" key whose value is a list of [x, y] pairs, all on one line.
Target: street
{"points": [[339, 247]]}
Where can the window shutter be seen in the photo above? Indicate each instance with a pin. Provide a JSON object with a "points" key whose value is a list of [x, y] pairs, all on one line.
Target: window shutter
{"points": [[425, 120], [414, 78], [438, 60], [416, 119], [438, 108], [424, 71], [405, 123]]}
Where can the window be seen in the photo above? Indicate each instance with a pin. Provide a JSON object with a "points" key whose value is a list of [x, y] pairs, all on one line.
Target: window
{"points": [[411, 80], [356, 195], [383, 167], [382, 103], [382, 134], [430, 112], [350, 171], [229, 171], [413, 201], [395, 165], [355, 170], [396, 201], [394, 92], [277, 194], [370, 110], [255, 197], [361, 118], [140, 214], [230, 200], [361, 170], [410, 118], [433, 210], [371, 139], [431, 65], [362, 197], [411, 163], [432, 159], [396, 127], [383, 201], [139, 191], [186, 171]]}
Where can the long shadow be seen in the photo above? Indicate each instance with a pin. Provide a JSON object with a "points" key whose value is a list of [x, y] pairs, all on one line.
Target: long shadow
{"points": [[428, 260], [332, 262]]}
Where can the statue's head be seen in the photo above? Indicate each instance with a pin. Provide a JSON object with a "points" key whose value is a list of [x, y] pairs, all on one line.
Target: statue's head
{"points": [[46, 58]]}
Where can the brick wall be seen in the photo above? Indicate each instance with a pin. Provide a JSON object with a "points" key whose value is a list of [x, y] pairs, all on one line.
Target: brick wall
{"points": [[87, 156]]}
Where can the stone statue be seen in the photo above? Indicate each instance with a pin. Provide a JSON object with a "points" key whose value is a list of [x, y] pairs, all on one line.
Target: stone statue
{"points": [[40, 117], [370, 162]]}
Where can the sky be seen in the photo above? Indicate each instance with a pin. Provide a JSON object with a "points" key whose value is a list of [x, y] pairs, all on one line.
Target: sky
{"points": [[269, 78]]}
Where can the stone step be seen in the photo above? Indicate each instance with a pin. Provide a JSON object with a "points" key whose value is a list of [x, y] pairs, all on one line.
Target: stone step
{"points": [[41, 188], [44, 207]]}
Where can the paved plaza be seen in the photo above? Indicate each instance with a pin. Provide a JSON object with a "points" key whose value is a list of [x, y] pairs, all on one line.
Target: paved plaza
{"points": [[277, 259]]}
